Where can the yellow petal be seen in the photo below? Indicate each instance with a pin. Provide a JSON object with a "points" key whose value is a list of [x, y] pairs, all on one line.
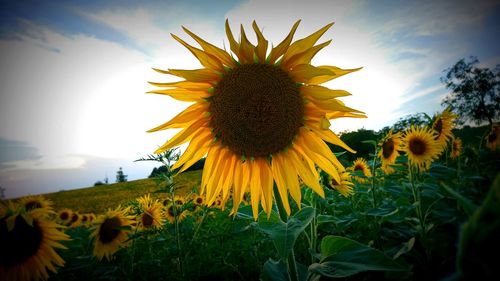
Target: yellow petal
{"points": [[184, 85], [308, 175], [305, 72], [207, 60], [189, 115], [324, 163], [212, 157], [280, 182], [215, 51], [262, 44], [255, 188], [304, 57], [267, 185], [197, 147], [322, 93], [196, 75], [337, 72], [330, 137], [237, 190], [320, 147], [228, 178], [279, 50], [324, 124], [290, 175], [183, 136], [333, 105], [339, 114], [305, 43], [215, 177], [246, 48], [183, 94], [235, 47]]}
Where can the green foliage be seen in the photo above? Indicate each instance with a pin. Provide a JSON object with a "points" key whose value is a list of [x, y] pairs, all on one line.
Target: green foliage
{"points": [[355, 141], [475, 91], [479, 243], [343, 257], [416, 119]]}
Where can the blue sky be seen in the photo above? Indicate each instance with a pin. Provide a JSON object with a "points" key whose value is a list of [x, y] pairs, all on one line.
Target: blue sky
{"points": [[74, 73]]}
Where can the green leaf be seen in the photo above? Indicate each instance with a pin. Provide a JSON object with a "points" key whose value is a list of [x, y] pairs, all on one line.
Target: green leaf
{"points": [[468, 206], [372, 142], [274, 271], [284, 234], [342, 257]]}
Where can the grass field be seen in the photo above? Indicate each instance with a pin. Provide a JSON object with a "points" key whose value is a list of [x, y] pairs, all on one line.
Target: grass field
{"points": [[99, 198]]}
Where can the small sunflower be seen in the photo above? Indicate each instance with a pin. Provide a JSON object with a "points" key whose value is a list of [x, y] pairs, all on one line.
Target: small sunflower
{"points": [[456, 148], [179, 200], [151, 215], [198, 200], [75, 220], [36, 202], [421, 146], [172, 212], [390, 146], [111, 232], [493, 138], [345, 186], [64, 216], [27, 242], [360, 165], [259, 117], [442, 126]]}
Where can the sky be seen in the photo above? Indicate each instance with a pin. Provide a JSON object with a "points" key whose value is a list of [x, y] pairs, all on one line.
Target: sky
{"points": [[73, 76]]}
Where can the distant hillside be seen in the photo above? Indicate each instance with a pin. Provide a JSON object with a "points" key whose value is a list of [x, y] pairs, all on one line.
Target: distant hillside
{"points": [[99, 198]]}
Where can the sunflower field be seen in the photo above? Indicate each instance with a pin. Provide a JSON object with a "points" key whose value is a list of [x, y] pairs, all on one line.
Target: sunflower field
{"points": [[273, 201]]}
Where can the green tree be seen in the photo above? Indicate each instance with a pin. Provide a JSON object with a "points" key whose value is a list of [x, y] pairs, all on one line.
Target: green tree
{"points": [[120, 176], [417, 119], [474, 93]]}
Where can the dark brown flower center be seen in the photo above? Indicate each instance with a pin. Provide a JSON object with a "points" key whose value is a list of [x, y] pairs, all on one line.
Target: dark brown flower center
{"points": [[19, 244], [334, 182], [147, 220], [199, 200], [417, 146], [64, 216], [74, 217], [110, 229], [388, 148], [256, 110], [31, 205], [358, 168]]}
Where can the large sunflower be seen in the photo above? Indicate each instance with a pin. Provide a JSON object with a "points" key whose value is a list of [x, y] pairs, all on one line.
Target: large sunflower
{"points": [[360, 165], [421, 146], [27, 241], [389, 150], [442, 127], [260, 118], [111, 232]]}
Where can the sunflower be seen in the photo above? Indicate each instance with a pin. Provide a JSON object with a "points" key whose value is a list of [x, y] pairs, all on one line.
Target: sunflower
{"points": [[421, 146], [151, 215], [27, 242], [198, 200], [389, 150], [360, 165], [65, 216], [171, 212], [344, 186], [442, 126], [179, 200], [493, 138], [36, 202], [456, 148], [75, 220], [259, 116], [111, 232]]}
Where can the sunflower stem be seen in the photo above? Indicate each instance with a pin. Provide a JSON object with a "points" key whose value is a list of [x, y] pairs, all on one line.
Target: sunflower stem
{"points": [[417, 200], [291, 263], [373, 177]]}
